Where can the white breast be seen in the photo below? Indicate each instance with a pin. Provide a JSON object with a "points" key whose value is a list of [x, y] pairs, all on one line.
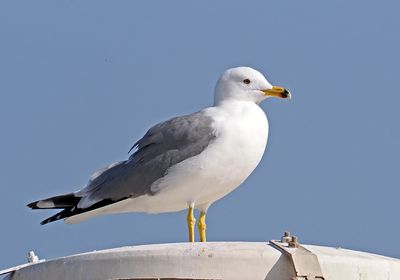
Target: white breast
{"points": [[242, 137]]}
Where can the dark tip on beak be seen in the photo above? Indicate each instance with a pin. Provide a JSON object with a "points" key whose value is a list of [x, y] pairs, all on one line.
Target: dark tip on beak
{"points": [[286, 94]]}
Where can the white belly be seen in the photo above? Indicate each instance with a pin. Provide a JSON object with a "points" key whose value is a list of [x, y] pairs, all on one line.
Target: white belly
{"points": [[242, 133]]}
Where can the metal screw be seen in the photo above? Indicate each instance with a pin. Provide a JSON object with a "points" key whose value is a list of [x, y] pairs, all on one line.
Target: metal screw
{"points": [[32, 258], [286, 237], [294, 242]]}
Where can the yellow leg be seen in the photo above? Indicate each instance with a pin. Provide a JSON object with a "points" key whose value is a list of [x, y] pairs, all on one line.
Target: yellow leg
{"points": [[202, 226], [191, 221]]}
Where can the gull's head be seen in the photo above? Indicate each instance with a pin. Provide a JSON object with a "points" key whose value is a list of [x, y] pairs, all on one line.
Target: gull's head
{"points": [[246, 84]]}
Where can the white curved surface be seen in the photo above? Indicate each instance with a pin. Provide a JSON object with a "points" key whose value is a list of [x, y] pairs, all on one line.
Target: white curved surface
{"points": [[212, 260]]}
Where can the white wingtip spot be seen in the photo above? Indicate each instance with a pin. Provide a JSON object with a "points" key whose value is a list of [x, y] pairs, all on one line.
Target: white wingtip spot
{"points": [[45, 204]]}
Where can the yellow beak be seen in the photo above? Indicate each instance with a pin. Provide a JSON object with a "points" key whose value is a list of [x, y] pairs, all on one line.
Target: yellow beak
{"points": [[279, 92]]}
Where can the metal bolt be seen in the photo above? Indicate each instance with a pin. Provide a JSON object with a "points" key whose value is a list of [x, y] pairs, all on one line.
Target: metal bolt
{"points": [[294, 242], [32, 258], [286, 237]]}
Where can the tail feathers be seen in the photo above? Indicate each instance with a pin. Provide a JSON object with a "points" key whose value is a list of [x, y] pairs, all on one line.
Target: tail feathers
{"points": [[73, 210], [60, 215], [56, 202]]}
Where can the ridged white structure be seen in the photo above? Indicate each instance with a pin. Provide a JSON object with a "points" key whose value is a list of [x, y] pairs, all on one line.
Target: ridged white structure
{"points": [[214, 260]]}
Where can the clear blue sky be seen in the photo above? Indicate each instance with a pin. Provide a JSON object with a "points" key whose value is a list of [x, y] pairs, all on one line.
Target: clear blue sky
{"points": [[80, 81]]}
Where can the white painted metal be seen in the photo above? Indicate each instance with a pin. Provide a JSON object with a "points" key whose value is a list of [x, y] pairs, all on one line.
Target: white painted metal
{"points": [[32, 258], [211, 260]]}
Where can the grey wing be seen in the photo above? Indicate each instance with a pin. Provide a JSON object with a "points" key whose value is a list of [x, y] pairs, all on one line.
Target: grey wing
{"points": [[163, 146]]}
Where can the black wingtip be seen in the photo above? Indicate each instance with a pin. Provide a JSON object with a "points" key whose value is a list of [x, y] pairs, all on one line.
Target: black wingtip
{"points": [[60, 215], [33, 205], [44, 222]]}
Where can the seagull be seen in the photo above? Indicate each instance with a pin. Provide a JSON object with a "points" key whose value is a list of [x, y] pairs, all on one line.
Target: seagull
{"points": [[187, 162]]}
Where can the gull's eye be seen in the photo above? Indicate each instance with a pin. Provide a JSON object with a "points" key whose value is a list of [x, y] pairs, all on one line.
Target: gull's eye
{"points": [[246, 81]]}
